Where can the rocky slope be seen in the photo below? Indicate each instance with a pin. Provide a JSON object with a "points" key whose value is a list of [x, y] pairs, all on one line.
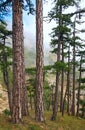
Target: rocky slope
{"points": [[3, 99]]}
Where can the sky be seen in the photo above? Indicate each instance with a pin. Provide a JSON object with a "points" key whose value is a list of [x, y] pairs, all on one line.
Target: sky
{"points": [[30, 25]]}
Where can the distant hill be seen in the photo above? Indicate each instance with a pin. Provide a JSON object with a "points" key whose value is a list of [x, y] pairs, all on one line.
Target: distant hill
{"points": [[30, 57]]}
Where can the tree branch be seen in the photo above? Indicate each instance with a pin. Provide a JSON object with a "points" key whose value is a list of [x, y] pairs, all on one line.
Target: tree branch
{"points": [[77, 12]]}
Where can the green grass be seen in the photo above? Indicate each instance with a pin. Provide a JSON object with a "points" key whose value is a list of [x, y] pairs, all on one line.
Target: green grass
{"points": [[62, 123]]}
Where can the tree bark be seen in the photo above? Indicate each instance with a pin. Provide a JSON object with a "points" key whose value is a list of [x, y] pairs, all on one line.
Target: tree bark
{"points": [[55, 106], [68, 83], [31, 100], [78, 100], [64, 101], [24, 90], [18, 67], [73, 97], [39, 110], [62, 81]]}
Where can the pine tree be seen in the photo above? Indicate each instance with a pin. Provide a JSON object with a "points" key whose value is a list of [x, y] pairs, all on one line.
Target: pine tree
{"points": [[19, 90], [20, 104], [74, 53], [76, 44], [60, 36], [5, 62], [81, 87]]}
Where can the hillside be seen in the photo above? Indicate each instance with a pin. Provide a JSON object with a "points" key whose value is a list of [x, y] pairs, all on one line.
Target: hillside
{"points": [[62, 123], [30, 57], [3, 99]]}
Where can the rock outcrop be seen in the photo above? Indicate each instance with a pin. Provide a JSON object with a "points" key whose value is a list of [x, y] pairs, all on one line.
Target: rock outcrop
{"points": [[3, 99]]}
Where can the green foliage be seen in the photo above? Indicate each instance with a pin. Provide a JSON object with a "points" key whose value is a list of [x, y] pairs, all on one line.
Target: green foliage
{"points": [[5, 54], [82, 87], [82, 80], [82, 69], [65, 4], [47, 68], [47, 95], [62, 123], [31, 82], [31, 71], [60, 65], [6, 112], [34, 127], [6, 5], [82, 61], [82, 109], [82, 102], [5, 49]]}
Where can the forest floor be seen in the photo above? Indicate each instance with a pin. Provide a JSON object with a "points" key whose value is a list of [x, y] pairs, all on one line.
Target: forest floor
{"points": [[62, 123]]}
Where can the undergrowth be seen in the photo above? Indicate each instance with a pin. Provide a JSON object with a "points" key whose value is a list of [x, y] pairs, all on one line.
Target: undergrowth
{"points": [[62, 123]]}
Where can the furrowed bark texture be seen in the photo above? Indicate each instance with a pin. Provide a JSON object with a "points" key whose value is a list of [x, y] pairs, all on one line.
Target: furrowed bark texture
{"points": [[18, 61], [39, 62]]}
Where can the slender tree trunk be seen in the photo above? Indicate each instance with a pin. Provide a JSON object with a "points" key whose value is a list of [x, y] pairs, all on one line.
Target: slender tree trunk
{"points": [[55, 107], [68, 82], [39, 110], [67, 87], [52, 96], [73, 97], [64, 101], [78, 100], [17, 61], [31, 100], [62, 81], [24, 90], [6, 78]]}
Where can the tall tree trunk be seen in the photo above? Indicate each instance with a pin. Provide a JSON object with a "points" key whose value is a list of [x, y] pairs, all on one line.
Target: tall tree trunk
{"points": [[67, 93], [73, 97], [24, 90], [39, 110], [68, 82], [17, 61], [62, 81], [64, 101], [55, 106], [78, 100]]}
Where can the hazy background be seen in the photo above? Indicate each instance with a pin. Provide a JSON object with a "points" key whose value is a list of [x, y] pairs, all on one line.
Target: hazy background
{"points": [[30, 34]]}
